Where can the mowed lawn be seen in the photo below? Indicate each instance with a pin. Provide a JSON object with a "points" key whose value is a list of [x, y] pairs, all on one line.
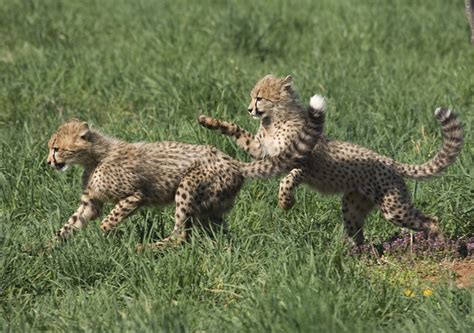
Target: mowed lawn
{"points": [[144, 70]]}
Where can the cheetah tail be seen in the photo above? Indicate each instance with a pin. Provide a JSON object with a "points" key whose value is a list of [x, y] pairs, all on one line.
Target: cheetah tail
{"points": [[299, 149], [452, 144]]}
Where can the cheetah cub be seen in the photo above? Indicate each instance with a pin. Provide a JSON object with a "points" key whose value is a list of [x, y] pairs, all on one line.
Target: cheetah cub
{"points": [[282, 118], [201, 180], [365, 178]]}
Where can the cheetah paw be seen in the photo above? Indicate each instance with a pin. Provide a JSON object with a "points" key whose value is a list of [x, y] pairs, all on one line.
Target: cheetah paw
{"points": [[208, 122]]}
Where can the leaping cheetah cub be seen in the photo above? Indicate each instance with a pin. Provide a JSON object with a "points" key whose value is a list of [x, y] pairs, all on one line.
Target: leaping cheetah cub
{"points": [[365, 178], [201, 180]]}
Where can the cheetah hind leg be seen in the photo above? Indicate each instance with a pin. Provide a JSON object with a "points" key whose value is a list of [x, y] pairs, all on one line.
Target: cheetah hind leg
{"points": [[184, 214], [397, 208], [203, 197], [223, 203], [192, 207], [219, 199], [355, 208]]}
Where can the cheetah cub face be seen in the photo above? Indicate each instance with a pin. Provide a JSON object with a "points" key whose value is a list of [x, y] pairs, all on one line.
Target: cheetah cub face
{"points": [[269, 94], [69, 145]]}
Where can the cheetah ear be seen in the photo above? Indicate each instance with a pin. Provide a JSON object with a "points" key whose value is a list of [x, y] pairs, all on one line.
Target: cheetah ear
{"points": [[84, 131], [268, 77], [286, 82]]}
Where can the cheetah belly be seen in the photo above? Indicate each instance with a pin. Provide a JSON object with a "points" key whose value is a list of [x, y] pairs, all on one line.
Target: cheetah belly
{"points": [[328, 174], [321, 185]]}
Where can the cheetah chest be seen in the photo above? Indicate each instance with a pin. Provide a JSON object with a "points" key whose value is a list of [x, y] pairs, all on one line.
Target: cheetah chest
{"points": [[269, 146], [271, 141]]}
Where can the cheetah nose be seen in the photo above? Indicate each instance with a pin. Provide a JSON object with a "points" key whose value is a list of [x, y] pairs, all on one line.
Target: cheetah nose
{"points": [[249, 110], [49, 162]]}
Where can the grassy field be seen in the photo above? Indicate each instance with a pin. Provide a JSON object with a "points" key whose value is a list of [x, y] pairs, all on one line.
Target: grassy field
{"points": [[143, 70]]}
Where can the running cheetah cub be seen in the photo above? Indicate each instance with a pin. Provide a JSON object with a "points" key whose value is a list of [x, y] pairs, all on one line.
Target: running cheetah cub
{"points": [[365, 178], [201, 180]]}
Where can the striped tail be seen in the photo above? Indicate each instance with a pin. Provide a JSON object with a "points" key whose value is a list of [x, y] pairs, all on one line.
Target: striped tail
{"points": [[452, 144], [299, 149]]}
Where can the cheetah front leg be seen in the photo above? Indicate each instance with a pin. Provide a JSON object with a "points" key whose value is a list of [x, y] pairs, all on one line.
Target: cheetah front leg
{"points": [[88, 210], [286, 196], [185, 206], [243, 138], [122, 209]]}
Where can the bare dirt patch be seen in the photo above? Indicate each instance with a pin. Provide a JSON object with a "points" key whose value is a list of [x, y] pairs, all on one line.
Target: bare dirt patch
{"points": [[464, 273]]}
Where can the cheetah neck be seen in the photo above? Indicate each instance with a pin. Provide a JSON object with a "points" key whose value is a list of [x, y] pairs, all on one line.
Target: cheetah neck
{"points": [[101, 147], [287, 113]]}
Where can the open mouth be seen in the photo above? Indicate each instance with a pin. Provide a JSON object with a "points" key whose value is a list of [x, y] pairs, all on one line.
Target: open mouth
{"points": [[258, 114]]}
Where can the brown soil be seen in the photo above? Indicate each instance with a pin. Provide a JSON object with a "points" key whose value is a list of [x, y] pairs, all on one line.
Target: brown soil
{"points": [[461, 272], [464, 273]]}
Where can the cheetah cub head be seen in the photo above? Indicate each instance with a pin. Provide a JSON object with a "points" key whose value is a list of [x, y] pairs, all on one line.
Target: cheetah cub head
{"points": [[70, 145], [271, 94]]}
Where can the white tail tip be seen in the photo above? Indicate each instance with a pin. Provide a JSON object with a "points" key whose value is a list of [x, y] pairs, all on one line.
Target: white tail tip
{"points": [[317, 102], [442, 113]]}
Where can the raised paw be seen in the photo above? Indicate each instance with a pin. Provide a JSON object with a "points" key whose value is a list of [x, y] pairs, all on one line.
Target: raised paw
{"points": [[209, 122]]}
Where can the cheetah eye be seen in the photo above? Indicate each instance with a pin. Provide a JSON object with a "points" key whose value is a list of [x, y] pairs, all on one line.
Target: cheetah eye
{"points": [[55, 149], [258, 98]]}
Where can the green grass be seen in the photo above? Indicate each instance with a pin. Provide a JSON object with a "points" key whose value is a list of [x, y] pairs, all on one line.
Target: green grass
{"points": [[143, 70]]}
